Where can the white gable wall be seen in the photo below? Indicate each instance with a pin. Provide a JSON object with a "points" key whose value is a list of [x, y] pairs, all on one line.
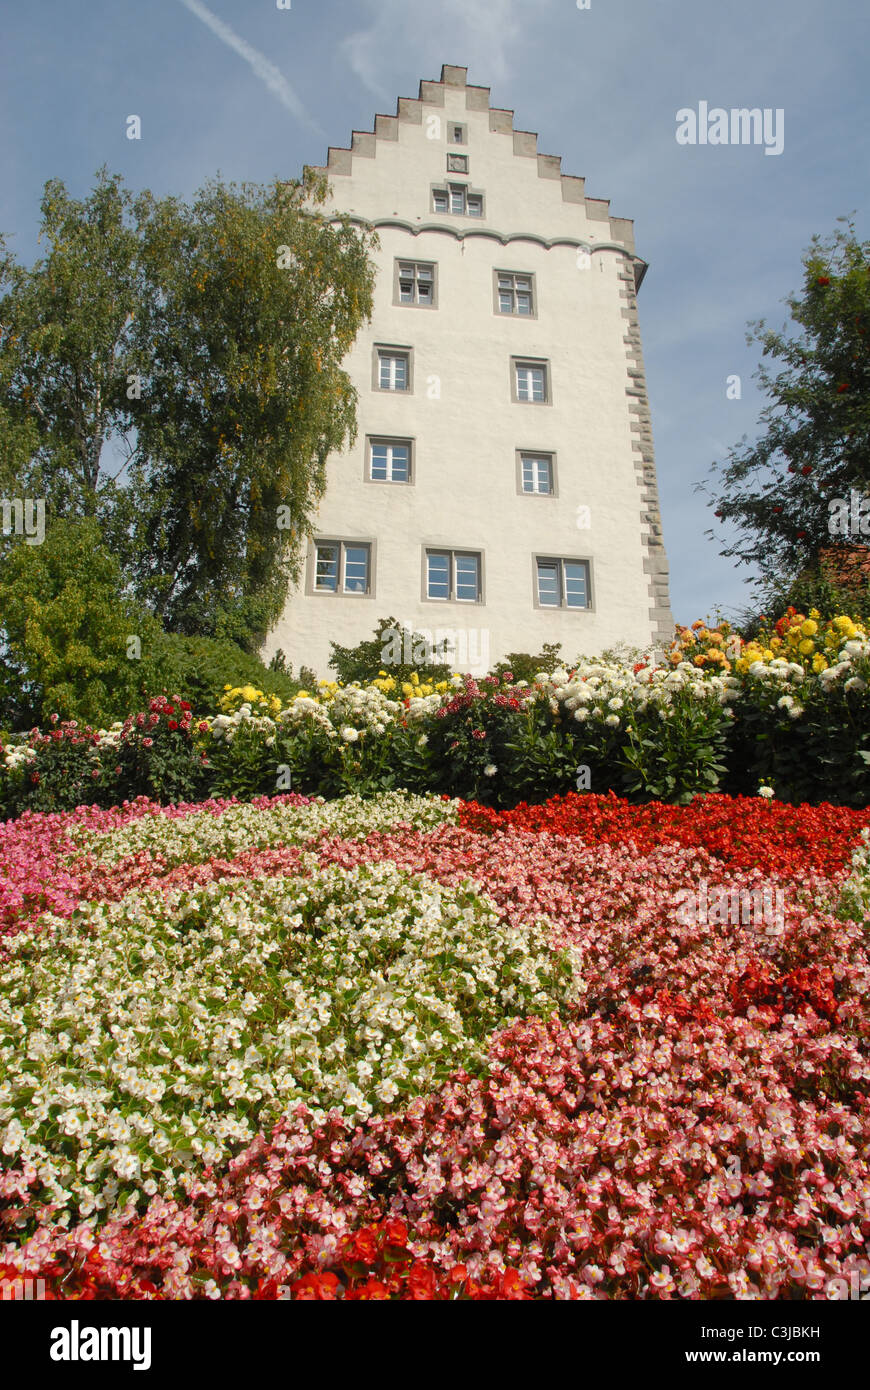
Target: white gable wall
{"points": [[464, 490]]}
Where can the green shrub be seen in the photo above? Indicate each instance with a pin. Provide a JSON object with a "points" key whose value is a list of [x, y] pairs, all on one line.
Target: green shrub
{"points": [[203, 666], [524, 667], [392, 649]]}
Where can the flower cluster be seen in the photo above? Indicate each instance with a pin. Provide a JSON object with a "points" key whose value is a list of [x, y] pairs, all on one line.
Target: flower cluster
{"points": [[702, 645], [364, 1050], [805, 639], [612, 693], [205, 1014], [235, 696], [738, 831]]}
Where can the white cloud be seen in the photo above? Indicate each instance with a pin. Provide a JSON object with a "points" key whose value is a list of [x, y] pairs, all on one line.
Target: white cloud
{"points": [[479, 33], [269, 75]]}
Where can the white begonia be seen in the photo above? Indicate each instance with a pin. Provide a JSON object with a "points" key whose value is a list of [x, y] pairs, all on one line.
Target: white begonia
{"points": [[151, 1113]]}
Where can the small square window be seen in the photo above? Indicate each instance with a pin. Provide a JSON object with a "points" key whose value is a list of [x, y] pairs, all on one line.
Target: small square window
{"points": [[393, 370], [537, 473], [457, 134], [415, 283], [453, 574], [342, 567], [514, 293], [562, 583], [531, 382], [389, 461]]}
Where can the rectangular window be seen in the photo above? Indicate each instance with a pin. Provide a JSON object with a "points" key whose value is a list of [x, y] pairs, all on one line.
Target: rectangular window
{"points": [[437, 575], [531, 382], [341, 567], [467, 577], [515, 293], [456, 199], [389, 461], [457, 134], [356, 568], [537, 473], [415, 283], [326, 569], [562, 583], [453, 574], [393, 374]]}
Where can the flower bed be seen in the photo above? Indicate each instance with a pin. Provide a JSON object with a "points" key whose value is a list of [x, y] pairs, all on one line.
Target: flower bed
{"points": [[793, 715], [409, 1048]]}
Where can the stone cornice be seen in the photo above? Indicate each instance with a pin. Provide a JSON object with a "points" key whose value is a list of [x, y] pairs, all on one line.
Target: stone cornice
{"points": [[503, 238]]}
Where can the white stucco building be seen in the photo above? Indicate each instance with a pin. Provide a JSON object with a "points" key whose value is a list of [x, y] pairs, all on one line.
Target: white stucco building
{"points": [[502, 487]]}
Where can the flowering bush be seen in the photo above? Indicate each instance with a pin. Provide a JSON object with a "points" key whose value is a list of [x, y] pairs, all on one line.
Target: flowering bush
{"points": [[789, 711], [236, 696]]}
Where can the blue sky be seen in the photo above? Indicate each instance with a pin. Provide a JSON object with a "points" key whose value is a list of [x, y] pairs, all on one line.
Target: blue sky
{"points": [[251, 91]]}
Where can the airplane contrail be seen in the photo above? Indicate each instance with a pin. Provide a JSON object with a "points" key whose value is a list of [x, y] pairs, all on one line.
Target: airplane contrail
{"points": [[267, 72]]}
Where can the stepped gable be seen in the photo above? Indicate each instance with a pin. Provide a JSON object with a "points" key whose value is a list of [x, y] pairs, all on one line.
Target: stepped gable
{"points": [[409, 110]]}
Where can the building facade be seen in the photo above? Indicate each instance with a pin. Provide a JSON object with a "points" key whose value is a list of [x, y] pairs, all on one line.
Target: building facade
{"points": [[502, 488]]}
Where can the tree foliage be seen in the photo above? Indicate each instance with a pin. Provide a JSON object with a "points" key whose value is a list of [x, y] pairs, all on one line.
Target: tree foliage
{"points": [[174, 371], [778, 493], [394, 649], [65, 629]]}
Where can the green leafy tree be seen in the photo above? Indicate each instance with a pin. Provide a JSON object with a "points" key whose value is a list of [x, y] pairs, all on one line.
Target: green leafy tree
{"points": [[524, 667], [780, 493], [173, 370], [65, 631], [393, 649]]}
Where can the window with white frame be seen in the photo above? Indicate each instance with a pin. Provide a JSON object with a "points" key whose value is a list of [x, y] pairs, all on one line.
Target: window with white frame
{"points": [[341, 567], [390, 460], [531, 381], [393, 372], [536, 472], [416, 282], [515, 293], [562, 583], [453, 574], [456, 199]]}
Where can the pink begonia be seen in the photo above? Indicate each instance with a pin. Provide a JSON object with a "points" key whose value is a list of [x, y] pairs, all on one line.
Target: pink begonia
{"points": [[669, 1138]]}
